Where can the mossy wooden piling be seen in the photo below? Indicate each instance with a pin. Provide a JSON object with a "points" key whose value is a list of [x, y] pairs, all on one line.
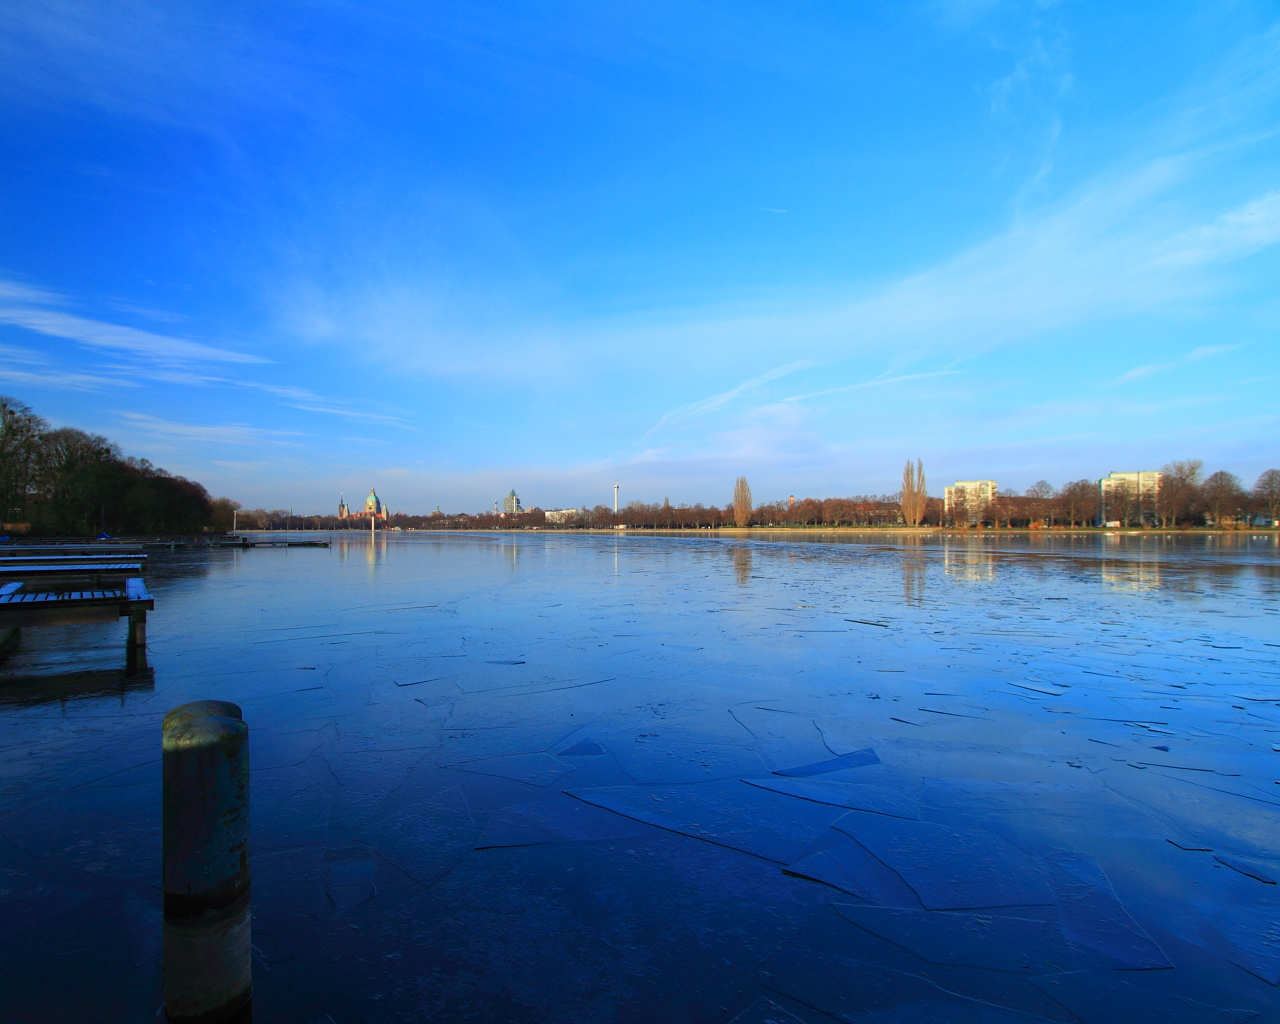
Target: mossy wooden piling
{"points": [[207, 967]]}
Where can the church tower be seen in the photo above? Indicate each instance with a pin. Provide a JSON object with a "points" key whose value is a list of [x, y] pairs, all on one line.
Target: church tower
{"points": [[343, 511]]}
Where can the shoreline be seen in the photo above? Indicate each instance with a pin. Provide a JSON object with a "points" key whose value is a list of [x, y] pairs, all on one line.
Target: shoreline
{"points": [[889, 531], [218, 539]]}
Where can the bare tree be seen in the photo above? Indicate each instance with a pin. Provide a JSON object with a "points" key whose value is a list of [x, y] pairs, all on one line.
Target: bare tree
{"points": [[1266, 492], [1223, 496], [742, 502], [1041, 494], [1179, 482], [915, 496], [1120, 504], [224, 516], [21, 433], [1080, 500]]}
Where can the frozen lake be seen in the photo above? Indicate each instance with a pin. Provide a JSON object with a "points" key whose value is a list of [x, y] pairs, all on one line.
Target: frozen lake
{"points": [[544, 777]]}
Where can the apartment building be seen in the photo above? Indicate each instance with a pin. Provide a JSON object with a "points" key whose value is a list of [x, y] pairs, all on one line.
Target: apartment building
{"points": [[969, 497]]}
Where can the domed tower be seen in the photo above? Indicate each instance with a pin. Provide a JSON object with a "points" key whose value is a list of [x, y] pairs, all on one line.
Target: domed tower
{"points": [[373, 505]]}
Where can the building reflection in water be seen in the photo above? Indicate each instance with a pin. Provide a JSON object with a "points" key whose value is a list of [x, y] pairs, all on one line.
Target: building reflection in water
{"points": [[742, 565], [361, 545], [968, 563], [1131, 576]]}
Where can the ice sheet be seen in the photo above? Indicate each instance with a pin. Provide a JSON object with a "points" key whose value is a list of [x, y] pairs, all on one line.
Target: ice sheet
{"points": [[955, 869], [853, 759], [534, 769], [559, 819], [1093, 917], [425, 840], [1098, 998], [866, 993], [766, 1011], [843, 863], [1109, 688], [729, 814], [855, 796], [994, 941]]}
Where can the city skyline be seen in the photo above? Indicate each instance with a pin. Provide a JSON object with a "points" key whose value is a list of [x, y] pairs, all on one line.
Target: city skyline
{"points": [[1141, 488], [667, 244]]}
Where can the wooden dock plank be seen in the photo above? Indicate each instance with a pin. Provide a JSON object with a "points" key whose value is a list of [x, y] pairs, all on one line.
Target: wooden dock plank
{"points": [[83, 556], [16, 567], [74, 596]]}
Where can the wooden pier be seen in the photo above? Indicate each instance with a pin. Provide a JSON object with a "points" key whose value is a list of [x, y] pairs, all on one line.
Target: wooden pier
{"points": [[97, 549], [36, 590], [42, 570], [245, 542]]}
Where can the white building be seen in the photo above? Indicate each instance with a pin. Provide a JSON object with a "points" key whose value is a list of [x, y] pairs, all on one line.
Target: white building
{"points": [[970, 495], [511, 503], [1123, 497], [560, 516]]}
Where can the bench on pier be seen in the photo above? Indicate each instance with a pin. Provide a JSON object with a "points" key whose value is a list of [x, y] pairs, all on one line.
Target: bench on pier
{"points": [[74, 607]]}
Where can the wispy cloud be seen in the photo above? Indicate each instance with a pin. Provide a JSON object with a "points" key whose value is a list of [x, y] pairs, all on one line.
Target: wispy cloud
{"points": [[877, 382], [1194, 356], [707, 405], [181, 65], [1104, 252], [294, 397], [142, 357], [59, 379], [97, 334], [26, 368], [1240, 232], [235, 435]]}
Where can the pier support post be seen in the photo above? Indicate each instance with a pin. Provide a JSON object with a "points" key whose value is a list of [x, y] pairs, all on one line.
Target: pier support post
{"points": [[9, 639], [136, 645], [138, 629], [207, 967]]}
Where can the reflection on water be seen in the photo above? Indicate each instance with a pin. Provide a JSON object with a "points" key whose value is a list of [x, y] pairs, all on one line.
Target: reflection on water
{"points": [[969, 564], [597, 778], [29, 691], [1142, 575], [913, 573]]}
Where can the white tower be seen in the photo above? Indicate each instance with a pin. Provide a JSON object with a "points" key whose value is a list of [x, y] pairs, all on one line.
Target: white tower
{"points": [[615, 499]]}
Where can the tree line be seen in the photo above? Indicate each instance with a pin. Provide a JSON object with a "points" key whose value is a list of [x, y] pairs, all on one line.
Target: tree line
{"points": [[1186, 499], [67, 482], [72, 483]]}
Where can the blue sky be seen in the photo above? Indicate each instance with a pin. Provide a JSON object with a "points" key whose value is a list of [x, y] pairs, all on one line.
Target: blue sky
{"points": [[292, 250]]}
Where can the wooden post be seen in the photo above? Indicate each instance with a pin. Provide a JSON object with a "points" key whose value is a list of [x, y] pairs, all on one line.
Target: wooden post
{"points": [[207, 966], [138, 629], [135, 653], [9, 639]]}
